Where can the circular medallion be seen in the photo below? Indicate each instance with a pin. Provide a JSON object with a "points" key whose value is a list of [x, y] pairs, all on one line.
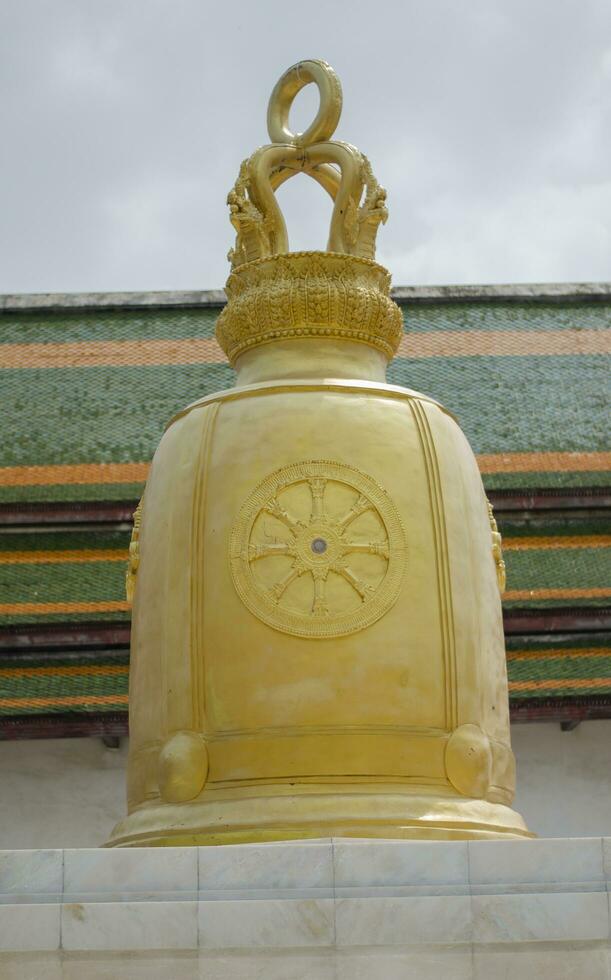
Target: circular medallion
{"points": [[318, 550]]}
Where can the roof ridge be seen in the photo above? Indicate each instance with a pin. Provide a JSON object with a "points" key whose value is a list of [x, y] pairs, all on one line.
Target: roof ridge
{"points": [[214, 298]]}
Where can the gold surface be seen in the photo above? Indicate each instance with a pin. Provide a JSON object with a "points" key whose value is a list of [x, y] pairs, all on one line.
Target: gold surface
{"points": [[317, 640], [340, 293], [343, 171], [318, 550], [134, 555], [497, 551], [309, 294]]}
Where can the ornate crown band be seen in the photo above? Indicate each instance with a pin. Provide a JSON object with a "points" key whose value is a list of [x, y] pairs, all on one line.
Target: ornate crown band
{"points": [[273, 293], [309, 294]]}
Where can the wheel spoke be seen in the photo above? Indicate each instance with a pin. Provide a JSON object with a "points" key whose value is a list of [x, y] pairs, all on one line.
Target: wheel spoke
{"points": [[317, 486], [274, 508], [256, 551], [320, 607], [360, 506], [365, 591], [277, 591], [366, 548]]}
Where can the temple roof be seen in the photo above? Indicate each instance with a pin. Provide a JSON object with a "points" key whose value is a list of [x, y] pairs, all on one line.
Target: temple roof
{"points": [[88, 382]]}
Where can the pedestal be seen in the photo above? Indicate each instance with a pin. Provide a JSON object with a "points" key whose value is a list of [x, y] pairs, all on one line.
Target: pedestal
{"points": [[321, 909]]}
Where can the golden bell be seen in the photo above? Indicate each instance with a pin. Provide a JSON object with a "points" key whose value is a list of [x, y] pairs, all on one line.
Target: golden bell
{"points": [[317, 645]]}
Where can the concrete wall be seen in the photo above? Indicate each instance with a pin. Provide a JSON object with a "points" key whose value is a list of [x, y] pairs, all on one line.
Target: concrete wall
{"points": [[70, 792], [60, 792], [564, 778]]}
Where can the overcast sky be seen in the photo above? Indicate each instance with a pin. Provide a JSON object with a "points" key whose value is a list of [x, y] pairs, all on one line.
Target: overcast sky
{"points": [[123, 124]]}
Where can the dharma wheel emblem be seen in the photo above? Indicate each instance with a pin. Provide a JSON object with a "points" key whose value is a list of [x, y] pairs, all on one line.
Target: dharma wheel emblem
{"points": [[318, 550]]}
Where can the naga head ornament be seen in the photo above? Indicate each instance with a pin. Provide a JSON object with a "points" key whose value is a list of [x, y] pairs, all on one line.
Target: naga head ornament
{"points": [[341, 292], [342, 170]]}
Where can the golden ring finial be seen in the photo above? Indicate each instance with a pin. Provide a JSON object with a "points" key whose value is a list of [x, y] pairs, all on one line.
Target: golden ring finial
{"points": [[283, 96]]}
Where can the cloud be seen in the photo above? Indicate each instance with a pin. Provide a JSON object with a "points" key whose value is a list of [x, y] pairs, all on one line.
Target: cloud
{"points": [[544, 235], [124, 125]]}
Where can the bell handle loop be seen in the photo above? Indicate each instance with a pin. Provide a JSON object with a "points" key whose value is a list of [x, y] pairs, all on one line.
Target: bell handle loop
{"points": [[288, 86]]}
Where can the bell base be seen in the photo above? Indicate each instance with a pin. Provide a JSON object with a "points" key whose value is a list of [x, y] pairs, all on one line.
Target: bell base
{"points": [[405, 816]]}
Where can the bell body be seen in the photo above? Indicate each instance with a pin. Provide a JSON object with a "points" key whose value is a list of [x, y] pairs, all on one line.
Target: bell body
{"points": [[317, 636]]}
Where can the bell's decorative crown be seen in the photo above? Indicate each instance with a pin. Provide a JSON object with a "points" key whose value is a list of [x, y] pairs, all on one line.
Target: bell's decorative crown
{"points": [[276, 294]]}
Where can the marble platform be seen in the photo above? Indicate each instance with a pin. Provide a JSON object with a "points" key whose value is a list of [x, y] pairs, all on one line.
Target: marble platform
{"points": [[322, 910]]}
